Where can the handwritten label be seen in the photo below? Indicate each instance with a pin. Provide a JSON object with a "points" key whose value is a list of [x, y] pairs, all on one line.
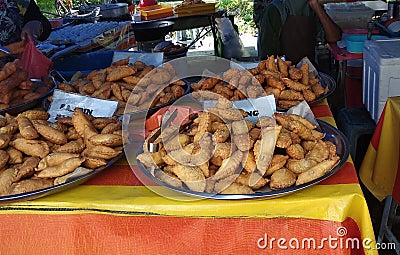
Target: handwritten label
{"points": [[64, 104]]}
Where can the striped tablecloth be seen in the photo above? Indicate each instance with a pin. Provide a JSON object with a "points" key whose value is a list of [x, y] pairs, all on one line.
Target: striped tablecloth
{"points": [[380, 169], [113, 213]]}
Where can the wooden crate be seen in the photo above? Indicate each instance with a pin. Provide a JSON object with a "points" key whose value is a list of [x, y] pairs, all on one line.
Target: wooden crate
{"points": [[195, 9], [157, 11]]}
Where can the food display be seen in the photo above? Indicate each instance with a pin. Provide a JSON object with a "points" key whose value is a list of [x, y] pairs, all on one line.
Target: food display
{"points": [[37, 154], [17, 89], [223, 153], [289, 84], [145, 86]]}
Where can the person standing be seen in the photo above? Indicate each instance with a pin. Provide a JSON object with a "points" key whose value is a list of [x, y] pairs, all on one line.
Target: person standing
{"points": [[22, 18], [291, 28]]}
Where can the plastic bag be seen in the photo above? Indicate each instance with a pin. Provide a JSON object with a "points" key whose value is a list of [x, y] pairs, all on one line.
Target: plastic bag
{"points": [[35, 62], [232, 46]]}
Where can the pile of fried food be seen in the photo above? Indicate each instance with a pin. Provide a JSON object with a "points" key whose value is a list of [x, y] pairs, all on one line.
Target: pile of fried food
{"points": [[139, 85], [223, 153], [289, 84], [37, 154], [16, 87]]}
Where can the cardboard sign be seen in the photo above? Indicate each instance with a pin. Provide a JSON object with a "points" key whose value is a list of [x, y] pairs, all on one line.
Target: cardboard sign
{"points": [[64, 104]]}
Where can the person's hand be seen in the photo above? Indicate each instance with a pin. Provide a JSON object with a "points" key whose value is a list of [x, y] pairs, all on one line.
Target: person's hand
{"points": [[33, 29], [314, 4]]}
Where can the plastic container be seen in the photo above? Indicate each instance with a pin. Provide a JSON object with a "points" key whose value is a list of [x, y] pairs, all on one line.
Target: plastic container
{"points": [[355, 42], [67, 66], [381, 76], [349, 15]]}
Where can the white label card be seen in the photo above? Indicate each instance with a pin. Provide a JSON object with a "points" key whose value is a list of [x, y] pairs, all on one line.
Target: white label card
{"points": [[63, 105]]}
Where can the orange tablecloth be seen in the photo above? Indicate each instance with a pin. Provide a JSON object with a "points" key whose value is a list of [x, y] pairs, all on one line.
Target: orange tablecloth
{"points": [[113, 213], [380, 170]]}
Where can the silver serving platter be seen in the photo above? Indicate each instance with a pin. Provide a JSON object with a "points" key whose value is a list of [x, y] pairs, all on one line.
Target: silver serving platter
{"points": [[331, 133], [57, 188], [15, 109]]}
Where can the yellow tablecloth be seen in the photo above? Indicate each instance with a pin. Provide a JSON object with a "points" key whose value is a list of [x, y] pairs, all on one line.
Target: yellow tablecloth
{"points": [[113, 213], [380, 168]]}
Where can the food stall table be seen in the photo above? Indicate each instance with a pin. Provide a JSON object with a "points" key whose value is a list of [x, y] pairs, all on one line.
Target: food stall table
{"points": [[114, 213], [191, 22], [380, 168]]}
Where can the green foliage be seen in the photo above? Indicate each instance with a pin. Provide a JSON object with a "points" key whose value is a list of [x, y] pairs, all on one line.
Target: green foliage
{"points": [[243, 12]]}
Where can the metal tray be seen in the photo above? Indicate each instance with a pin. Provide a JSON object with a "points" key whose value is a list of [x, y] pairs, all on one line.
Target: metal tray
{"points": [[15, 109], [57, 188], [332, 134], [327, 82]]}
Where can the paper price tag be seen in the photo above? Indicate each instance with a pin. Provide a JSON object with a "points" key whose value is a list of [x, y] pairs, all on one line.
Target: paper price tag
{"points": [[64, 103]]}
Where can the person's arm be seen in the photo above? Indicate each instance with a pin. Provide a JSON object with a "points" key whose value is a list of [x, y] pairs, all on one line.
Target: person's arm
{"points": [[35, 23], [332, 31]]}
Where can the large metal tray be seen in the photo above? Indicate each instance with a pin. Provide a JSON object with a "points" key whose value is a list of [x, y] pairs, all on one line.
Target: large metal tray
{"points": [[332, 134], [15, 109], [57, 188]]}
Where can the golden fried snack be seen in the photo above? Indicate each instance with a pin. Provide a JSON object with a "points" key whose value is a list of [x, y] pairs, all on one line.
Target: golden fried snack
{"points": [[331, 148], [278, 161], [281, 179], [299, 128], [249, 162], [299, 166], [269, 136], [284, 139], [221, 134], [290, 95], [241, 127], [274, 82], [111, 140], [5, 139], [15, 156], [309, 96], [4, 157], [9, 68], [295, 73], [51, 134], [67, 166], [101, 151], [168, 178], [283, 67], [119, 72], [229, 166], [237, 188], [319, 153], [29, 185], [317, 171], [318, 89], [34, 148], [73, 146], [92, 162], [80, 121], [308, 145], [26, 169], [243, 142], [26, 128], [284, 104], [305, 69], [53, 159], [35, 115], [253, 180], [294, 84], [192, 176], [270, 64], [112, 127], [295, 151], [7, 177]]}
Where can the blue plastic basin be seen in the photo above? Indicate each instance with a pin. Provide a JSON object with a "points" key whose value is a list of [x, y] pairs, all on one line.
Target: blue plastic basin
{"points": [[355, 43]]}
